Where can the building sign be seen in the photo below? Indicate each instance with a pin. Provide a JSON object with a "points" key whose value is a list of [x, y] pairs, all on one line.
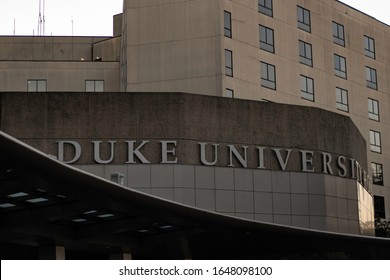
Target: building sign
{"points": [[209, 155]]}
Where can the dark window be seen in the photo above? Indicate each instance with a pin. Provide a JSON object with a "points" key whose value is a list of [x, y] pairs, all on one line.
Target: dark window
{"points": [[371, 78], [305, 53], [338, 34], [229, 63], [304, 19], [377, 173], [36, 85], [375, 141], [227, 24], [94, 86], [265, 7], [340, 66], [229, 93], [266, 39], [373, 109], [342, 99], [369, 47], [268, 76], [307, 88], [379, 206]]}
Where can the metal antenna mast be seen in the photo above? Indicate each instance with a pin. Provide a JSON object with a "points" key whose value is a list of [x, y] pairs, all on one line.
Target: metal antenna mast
{"points": [[44, 21], [41, 19]]}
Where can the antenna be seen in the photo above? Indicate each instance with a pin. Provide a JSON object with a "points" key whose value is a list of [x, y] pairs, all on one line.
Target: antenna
{"points": [[41, 19], [44, 20]]}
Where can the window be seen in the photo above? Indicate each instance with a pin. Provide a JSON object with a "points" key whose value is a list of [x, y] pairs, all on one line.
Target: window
{"points": [[229, 63], [268, 77], [266, 39], [342, 99], [371, 78], [340, 66], [305, 53], [338, 34], [375, 141], [369, 47], [227, 24], [36, 85], [379, 206], [377, 173], [307, 88], [265, 7], [94, 86], [373, 109], [304, 19], [229, 93]]}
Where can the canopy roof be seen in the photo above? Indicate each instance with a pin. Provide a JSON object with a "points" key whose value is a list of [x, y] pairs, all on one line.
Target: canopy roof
{"points": [[44, 202]]}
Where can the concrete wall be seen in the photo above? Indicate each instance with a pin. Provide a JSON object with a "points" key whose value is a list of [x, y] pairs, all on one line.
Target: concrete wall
{"points": [[173, 46], [108, 50], [64, 62], [291, 197], [47, 48], [187, 118], [60, 76], [305, 200]]}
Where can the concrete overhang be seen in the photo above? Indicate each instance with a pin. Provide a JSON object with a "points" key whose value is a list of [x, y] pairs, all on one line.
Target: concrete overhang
{"points": [[44, 202]]}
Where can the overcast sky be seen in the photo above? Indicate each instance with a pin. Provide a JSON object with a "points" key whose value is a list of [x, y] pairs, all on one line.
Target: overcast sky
{"points": [[94, 17], [379, 9], [90, 17]]}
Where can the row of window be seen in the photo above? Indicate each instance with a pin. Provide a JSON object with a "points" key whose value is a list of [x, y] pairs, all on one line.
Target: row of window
{"points": [[268, 80], [41, 86], [268, 73], [304, 23], [268, 76], [266, 36]]}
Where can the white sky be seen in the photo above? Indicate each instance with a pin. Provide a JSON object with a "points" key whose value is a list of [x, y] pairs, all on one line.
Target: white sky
{"points": [[90, 17], [379, 9], [94, 17]]}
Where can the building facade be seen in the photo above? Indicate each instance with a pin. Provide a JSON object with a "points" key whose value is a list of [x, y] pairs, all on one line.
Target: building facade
{"points": [[314, 53]]}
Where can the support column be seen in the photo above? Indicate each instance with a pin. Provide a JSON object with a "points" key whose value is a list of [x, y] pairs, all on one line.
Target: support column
{"points": [[51, 253], [185, 248], [121, 256]]}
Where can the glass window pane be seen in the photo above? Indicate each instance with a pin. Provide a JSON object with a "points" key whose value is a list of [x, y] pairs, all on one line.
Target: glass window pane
{"points": [[229, 63], [227, 24], [99, 86], [89, 86], [379, 206], [42, 86], [229, 93], [31, 86]]}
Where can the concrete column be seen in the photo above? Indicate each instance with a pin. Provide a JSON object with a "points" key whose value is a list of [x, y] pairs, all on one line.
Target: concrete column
{"points": [[121, 256], [51, 253], [185, 248]]}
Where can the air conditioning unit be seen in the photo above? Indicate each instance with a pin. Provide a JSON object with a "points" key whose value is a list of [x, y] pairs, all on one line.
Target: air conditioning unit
{"points": [[118, 178]]}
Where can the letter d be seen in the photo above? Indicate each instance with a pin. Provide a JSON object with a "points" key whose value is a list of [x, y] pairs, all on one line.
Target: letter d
{"points": [[77, 151]]}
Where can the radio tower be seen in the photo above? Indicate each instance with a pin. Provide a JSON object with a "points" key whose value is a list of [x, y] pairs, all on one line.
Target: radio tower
{"points": [[41, 19]]}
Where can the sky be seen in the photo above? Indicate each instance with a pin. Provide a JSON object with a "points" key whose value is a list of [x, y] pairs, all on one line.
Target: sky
{"points": [[90, 17], [94, 17], [379, 9]]}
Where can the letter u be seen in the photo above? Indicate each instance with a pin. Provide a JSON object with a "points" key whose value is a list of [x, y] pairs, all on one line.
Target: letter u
{"points": [[203, 154]]}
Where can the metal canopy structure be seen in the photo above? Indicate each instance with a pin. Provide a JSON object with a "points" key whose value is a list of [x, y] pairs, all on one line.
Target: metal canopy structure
{"points": [[45, 203]]}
